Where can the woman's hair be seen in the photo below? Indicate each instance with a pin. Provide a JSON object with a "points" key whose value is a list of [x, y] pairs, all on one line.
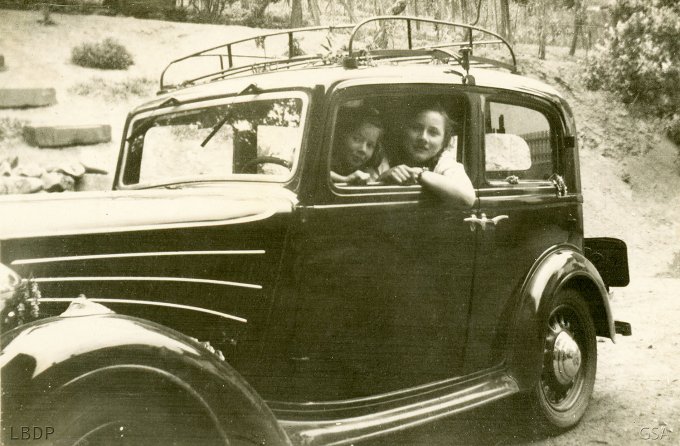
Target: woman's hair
{"points": [[449, 124], [402, 157], [348, 121]]}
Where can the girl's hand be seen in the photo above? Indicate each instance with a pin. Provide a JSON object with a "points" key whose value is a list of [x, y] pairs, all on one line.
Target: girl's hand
{"points": [[358, 177], [401, 174]]}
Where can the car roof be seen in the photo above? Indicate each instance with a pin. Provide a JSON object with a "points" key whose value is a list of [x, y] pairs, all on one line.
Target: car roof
{"points": [[329, 76]]}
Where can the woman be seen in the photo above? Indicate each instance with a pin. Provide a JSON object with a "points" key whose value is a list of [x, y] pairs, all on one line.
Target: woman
{"points": [[357, 157], [426, 160]]}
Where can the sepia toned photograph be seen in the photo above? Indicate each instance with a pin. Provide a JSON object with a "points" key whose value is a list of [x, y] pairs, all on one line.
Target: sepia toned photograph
{"points": [[333, 222]]}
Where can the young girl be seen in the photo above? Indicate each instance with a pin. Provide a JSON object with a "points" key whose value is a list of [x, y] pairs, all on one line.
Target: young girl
{"points": [[357, 155], [426, 159]]}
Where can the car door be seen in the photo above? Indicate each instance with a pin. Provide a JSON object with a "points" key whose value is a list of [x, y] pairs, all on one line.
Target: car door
{"points": [[525, 207], [385, 276]]}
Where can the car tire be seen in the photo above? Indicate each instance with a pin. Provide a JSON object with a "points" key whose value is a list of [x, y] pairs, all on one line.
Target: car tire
{"points": [[128, 418], [561, 396]]}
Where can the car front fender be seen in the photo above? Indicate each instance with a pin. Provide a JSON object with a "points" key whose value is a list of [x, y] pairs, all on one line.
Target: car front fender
{"points": [[559, 268], [47, 361]]}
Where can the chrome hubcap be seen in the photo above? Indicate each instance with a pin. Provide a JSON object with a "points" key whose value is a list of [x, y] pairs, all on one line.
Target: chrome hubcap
{"points": [[566, 358]]}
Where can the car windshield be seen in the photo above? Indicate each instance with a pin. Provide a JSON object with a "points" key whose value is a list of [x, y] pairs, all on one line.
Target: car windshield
{"points": [[242, 138]]}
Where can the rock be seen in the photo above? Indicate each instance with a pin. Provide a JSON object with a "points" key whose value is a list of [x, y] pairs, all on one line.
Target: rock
{"points": [[76, 170], [93, 169], [28, 170], [57, 182], [5, 168], [27, 97], [19, 185], [62, 136], [2, 63], [91, 182], [28, 185]]}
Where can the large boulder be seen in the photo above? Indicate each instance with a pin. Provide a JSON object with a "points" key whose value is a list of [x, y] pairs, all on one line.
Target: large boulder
{"points": [[27, 97], [62, 136]]}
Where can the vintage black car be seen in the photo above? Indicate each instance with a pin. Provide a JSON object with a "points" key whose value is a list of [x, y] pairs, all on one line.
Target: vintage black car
{"points": [[334, 311]]}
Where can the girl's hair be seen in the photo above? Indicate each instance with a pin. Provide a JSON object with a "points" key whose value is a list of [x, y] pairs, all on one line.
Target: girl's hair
{"points": [[349, 120]]}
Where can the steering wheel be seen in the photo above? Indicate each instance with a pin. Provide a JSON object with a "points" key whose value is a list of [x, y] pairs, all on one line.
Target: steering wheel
{"points": [[264, 160]]}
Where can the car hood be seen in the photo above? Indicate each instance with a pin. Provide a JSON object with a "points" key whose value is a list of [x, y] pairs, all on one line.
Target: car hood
{"points": [[116, 211]]}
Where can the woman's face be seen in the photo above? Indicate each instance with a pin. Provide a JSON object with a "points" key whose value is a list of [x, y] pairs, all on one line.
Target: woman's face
{"points": [[425, 135], [360, 144]]}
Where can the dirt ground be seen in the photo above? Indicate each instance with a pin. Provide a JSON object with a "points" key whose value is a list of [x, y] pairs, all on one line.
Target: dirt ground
{"points": [[637, 393], [631, 184]]}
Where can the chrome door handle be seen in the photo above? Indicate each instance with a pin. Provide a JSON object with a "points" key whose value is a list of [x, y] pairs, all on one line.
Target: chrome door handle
{"points": [[473, 221]]}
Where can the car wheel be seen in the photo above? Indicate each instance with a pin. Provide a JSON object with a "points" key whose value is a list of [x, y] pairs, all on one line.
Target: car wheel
{"points": [[562, 394], [131, 419]]}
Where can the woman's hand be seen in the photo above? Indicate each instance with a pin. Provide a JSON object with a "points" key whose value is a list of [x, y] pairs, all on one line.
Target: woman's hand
{"points": [[401, 174]]}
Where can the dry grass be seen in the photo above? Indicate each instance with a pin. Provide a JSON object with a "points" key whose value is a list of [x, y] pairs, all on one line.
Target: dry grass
{"points": [[125, 89]]}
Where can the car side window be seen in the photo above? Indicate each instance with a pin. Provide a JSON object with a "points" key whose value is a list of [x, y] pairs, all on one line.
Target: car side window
{"points": [[519, 146], [371, 135]]}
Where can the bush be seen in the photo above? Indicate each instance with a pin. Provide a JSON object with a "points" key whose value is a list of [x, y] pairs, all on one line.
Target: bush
{"points": [[640, 60], [107, 54], [673, 130]]}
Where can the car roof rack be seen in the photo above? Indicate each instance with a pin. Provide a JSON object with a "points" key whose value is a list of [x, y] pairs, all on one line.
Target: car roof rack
{"points": [[467, 45], [441, 51], [225, 53]]}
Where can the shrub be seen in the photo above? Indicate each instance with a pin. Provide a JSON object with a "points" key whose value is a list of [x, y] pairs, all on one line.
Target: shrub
{"points": [[11, 128], [673, 130], [640, 60], [107, 54]]}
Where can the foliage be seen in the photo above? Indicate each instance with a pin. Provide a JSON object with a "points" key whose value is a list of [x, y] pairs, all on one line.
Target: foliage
{"points": [[673, 130], [11, 128], [121, 90], [22, 307], [640, 60], [209, 8], [107, 54]]}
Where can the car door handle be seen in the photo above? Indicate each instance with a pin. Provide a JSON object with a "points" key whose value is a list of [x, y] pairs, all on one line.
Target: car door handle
{"points": [[473, 221]]}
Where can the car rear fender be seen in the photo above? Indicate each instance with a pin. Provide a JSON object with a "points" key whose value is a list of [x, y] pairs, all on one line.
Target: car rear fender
{"points": [[51, 360], [559, 268]]}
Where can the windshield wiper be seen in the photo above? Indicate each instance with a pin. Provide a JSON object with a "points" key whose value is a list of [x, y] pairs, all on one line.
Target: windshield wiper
{"points": [[215, 129]]}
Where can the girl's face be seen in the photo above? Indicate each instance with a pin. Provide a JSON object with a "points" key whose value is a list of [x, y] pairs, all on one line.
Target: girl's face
{"points": [[425, 135], [360, 144]]}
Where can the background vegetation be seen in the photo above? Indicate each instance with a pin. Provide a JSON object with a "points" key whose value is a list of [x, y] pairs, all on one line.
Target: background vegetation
{"points": [[107, 55], [639, 59]]}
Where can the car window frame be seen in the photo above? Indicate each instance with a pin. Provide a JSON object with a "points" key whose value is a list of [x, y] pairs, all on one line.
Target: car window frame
{"points": [[386, 192], [305, 120], [548, 110]]}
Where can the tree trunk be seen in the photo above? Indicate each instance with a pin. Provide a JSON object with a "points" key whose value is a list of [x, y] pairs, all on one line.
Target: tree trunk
{"points": [[416, 12], [506, 24], [455, 10], [543, 19], [296, 14], [315, 11], [464, 11], [349, 9], [579, 13]]}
